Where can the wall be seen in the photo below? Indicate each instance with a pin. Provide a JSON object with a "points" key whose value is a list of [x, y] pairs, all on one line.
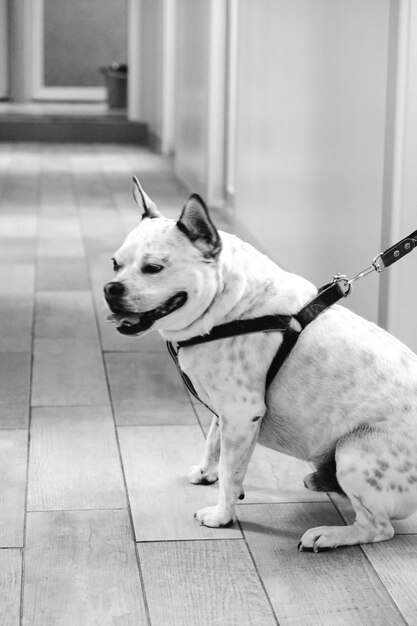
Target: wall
{"points": [[200, 96], [19, 48], [151, 47], [398, 297], [80, 37], [321, 146], [403, 298], [192, 92], [3, 49], [310, 116]]}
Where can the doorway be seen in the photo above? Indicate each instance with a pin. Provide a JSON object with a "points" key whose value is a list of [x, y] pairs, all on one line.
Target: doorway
{"points": [[55, 49], [71, 41]]}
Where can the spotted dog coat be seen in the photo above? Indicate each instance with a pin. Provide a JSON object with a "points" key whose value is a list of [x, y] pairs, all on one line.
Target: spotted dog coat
{"points": [[345, 399]]}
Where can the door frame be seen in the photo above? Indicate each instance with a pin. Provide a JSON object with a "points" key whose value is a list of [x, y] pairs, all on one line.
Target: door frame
{"points": [[231, 99], [134, 25], [398, 299], [39, 90]]}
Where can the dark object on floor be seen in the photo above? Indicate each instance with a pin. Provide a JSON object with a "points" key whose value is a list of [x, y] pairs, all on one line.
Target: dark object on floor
{"points": [[115, 76]]}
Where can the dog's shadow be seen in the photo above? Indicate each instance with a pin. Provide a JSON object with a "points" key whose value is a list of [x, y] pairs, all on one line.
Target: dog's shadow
{"points": [[267, 530]]}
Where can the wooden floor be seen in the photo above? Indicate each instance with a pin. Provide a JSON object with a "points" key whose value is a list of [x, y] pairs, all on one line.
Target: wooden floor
{"points": [[97, 433]]}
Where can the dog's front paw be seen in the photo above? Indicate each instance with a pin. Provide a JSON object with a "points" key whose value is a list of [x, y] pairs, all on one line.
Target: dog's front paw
{"points": [[212, 516], [199, 476]]}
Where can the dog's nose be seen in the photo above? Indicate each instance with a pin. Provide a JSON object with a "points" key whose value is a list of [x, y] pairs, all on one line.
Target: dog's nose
{"points": [[113, 289]]}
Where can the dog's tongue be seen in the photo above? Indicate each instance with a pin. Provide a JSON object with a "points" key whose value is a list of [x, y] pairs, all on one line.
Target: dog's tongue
{"points": [[127, 319]]}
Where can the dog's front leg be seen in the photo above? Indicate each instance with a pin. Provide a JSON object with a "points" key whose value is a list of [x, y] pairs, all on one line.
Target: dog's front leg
{"points": [[207, 472], [238, 435]]}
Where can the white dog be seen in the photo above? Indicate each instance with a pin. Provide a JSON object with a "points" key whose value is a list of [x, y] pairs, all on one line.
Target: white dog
{"points": [[345, 399]]}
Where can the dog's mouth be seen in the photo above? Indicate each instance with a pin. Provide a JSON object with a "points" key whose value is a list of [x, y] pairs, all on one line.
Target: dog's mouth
{"points": [[129, 323]]}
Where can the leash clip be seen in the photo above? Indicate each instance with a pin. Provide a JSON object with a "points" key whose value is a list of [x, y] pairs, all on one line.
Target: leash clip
{"points": [[378, 263]]}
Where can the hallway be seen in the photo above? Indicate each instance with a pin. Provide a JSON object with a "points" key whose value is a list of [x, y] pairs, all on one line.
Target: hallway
{"points": [[97, 434]]}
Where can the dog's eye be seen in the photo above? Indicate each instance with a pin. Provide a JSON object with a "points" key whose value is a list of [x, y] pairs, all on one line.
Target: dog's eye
{"points": [[116, 266], [152, 268]]}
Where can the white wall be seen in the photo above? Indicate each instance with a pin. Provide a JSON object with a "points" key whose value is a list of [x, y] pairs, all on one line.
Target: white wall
{"points": [[152, 46], [311, 91], [200, 96], [324, 129], [20, 53], [3, 49], [151, 66], [398, 298]]}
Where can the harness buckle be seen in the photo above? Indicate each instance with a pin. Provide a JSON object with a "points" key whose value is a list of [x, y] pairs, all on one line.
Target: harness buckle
{"points": [[344, 282]]}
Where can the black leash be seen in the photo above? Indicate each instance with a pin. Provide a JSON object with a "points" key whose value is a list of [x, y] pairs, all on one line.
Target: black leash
{"points": [[329, 294]]}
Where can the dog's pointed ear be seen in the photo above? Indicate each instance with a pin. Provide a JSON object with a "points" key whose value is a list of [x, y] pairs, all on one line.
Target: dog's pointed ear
{"points": [[143, 201], [196, 224]]}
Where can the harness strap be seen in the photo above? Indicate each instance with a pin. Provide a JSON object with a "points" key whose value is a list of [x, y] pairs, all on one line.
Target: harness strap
{"points": [[398, 250], [267, 323], [328, 295], [288, 342], [174, 354]]}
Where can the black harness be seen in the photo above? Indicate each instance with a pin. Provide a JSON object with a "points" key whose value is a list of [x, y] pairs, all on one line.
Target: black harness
{"points": [[327, 295]]}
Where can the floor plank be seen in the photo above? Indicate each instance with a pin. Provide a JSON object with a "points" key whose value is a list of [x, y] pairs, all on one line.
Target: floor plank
{"points": [[60, 274], [56, 188], [63, 314], [90, 184], [101, 235], [395, 562], [64, 209], [16, 314], [338, 587], [15, 370], [68, 372], [23, 225], [17, 250], [16, 306], [81, 568], [152, 394], [21, 187], [10, 583], [203, 582], [163, 502], [59, 235], [74, 460], [275, 477], [13, 463]]}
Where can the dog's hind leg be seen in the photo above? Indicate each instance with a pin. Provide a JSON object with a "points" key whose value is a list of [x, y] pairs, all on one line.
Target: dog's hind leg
{"points": [[375, 469], [324, 478], [207, 471], [369, 526]]}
